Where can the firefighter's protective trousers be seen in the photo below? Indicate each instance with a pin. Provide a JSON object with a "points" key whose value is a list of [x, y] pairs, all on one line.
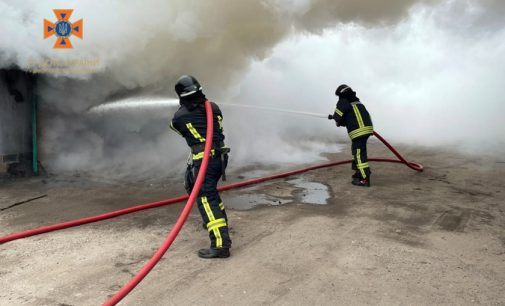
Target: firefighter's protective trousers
{"points": [[360, 157], [191, 123], [211, 206]]}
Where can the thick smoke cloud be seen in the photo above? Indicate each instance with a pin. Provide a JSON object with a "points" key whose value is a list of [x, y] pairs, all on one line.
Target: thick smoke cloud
{"points": [[425, 83], [148, 44], [142, 47], [324, 13]]}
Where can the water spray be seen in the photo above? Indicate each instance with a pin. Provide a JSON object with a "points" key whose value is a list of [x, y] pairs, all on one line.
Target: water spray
{"points": [[273, 109], [190, 199], [134, 104], [139, 104]]}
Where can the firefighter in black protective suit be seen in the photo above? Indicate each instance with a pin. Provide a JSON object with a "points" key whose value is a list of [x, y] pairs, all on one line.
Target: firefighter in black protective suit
{"points": [[191, 123], [351, 113]]}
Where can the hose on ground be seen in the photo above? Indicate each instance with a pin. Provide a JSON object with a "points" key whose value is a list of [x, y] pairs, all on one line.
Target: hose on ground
{"points": [[129, 210], [128, 287]]}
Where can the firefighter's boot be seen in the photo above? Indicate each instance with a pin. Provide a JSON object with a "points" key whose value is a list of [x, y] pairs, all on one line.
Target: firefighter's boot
{"points": [[361, 182], [214, 253]]}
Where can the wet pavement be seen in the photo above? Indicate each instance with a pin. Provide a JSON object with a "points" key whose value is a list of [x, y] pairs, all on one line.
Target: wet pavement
{"points": [[300, 190]]}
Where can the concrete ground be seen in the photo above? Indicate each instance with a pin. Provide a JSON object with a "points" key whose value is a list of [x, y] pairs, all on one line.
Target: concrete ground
{"points": [[436, 237]]}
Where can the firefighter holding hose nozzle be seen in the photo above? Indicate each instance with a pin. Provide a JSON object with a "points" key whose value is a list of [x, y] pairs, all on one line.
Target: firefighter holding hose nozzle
{"points": [[351, 113], [190, 122]]}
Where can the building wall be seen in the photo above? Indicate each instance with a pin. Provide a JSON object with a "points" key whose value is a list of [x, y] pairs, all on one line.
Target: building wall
{"points": [[15, 118]]}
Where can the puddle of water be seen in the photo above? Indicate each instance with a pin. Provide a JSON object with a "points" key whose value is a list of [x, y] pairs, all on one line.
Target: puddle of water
{"points": [[250, 200], [312, 192], [306, 192]]}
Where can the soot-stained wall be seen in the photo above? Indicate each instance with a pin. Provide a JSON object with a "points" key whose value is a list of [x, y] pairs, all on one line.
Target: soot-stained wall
{"points": [[15, 121]]}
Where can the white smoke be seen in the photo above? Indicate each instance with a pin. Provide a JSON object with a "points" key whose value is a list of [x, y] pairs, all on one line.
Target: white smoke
{"points": [[425, 81], [437, 59]]}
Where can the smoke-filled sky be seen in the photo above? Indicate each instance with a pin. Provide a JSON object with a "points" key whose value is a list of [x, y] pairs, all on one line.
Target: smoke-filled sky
{"points": [[430, 72]]}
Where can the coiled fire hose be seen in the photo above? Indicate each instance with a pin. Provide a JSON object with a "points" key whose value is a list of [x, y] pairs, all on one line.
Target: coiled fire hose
{"points": [[190, 201]]}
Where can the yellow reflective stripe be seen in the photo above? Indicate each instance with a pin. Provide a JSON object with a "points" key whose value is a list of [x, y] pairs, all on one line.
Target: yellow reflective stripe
{"points": [[361, 134], [200, 155], [221, 205], [194, 132], [221, 223], [210, 215], [216, 227], [206, 207], [361, 131], [220, 121], [219, 239], [358, 115], [363, 166], [217, 221], [173, 128], [339, 112], [358, 156]]}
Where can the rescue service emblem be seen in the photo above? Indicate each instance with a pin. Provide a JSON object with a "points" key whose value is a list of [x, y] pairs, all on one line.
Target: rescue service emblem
{"points": [[63, 29]]}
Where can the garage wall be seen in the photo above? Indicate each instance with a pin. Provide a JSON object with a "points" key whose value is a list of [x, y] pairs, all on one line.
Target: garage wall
{"points": [[15, 119]]}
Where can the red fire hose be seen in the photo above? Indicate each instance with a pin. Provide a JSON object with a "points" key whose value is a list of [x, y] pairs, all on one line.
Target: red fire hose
{"points": [[180, 222], [129, 210], [187, 209]]}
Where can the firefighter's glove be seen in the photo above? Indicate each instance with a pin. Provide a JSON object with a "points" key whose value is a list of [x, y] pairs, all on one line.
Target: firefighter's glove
{"points": [[189, 178]]}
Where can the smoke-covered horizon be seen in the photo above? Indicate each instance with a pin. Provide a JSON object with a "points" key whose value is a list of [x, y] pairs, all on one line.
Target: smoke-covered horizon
{"points": [[424, 82], [423, 68]]}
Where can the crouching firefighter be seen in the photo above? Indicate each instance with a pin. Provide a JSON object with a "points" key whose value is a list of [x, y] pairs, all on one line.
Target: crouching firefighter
{"points": [[351, 113], [191, 123]]}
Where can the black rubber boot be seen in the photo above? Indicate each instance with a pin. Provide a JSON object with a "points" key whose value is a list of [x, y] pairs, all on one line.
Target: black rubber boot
{"points": [[214, 253], [361, 182], [356, 175]]}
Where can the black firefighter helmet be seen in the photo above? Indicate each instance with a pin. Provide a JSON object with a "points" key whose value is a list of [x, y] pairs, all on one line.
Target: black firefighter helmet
{"points": [[342, 89], [186, 86]]}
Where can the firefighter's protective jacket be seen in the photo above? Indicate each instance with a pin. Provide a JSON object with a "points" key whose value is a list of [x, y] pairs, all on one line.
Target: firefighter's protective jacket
{"points": [[354, 116], [191, 123]]}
